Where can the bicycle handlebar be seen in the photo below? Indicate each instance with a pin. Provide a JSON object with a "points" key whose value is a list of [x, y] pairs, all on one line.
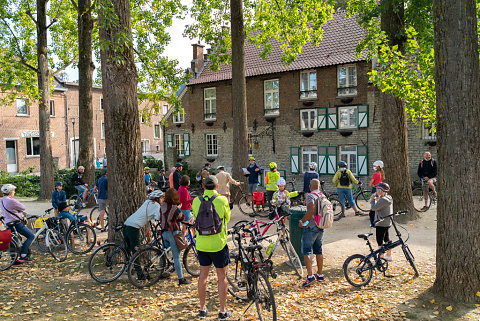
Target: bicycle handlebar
{"points": [[393, 214]]}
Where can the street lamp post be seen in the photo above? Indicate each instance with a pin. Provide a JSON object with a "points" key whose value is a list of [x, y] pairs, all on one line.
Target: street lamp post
{"points": [[74, 147]]}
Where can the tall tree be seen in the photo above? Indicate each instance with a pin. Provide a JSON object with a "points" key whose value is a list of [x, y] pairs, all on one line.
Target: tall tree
{"points": [[457, 79]]}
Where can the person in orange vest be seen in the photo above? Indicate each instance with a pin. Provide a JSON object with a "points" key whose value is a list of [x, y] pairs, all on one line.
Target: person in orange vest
{"points": [[271, 179]]}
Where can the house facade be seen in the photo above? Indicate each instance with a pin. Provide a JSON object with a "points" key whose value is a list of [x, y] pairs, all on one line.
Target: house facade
{"points": [[19, 130], [320, 109]]}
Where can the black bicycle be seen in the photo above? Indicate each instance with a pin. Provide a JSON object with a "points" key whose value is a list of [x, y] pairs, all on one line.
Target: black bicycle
{"points": [[358, 269], [338, 208]]}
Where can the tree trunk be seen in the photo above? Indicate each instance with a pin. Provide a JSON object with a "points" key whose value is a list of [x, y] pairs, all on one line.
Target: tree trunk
{"points": [[239, 103], [122, 124], [85, 72], [46, 160], [394, 122], [457, 84]]}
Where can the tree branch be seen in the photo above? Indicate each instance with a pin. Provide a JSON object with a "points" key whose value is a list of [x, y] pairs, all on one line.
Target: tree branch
{"points": [[51, 23], [53, 74], [94, 4], [74, 4], [29, 13]]}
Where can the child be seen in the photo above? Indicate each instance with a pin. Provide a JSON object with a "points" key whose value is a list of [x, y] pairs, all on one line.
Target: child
{"points": [[382, 205], [271, 179], [185, 200], [58, 196], [64, 212], [377, 178], [281, 197]]}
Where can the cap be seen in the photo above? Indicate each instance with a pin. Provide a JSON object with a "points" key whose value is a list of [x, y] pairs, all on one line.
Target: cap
{"points": [[210, 180], [177, 165], [221, 167], [251, 158]]}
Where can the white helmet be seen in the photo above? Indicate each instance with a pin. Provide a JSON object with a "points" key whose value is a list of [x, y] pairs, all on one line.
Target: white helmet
{"points": [[155, 194], [378, 163], [8, 188], [312, 165], [281, 181]]}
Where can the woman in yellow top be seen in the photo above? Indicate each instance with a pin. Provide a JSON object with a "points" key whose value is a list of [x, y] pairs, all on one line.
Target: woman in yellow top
{"points": [[343, 180], [271, 179]]}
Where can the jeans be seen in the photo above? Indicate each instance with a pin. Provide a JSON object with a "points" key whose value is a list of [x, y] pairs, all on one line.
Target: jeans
{"points": [[170, 241], [312, 241], [252, 187], [80, 188], [268, 198], [71, 217], [25, 231], [345, 193]]}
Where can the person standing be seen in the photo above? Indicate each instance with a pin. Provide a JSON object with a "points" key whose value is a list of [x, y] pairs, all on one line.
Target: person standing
{"points": [[212, 249], [101, 187], [58, 196], [185, 200], [97, 163], [177, 175], [271, 183], [312, 236], [377, 177], [224, 180], [427, 171], [148, 176], [309, 175], [343, 180], [382, 205], [162, 181], [170, 177], [79, 184], [253, 171]]}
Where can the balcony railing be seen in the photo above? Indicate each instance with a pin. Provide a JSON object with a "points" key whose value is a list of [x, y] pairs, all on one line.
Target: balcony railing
{"points": [[347, 91], [272, 111], [308, 94], [210, 116]]}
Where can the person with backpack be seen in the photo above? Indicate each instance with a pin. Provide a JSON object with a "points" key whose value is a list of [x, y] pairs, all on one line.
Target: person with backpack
{"points": [[309, 175], [382, 205], [343, 180], [312, 236], [212, 214], [427, 171]]}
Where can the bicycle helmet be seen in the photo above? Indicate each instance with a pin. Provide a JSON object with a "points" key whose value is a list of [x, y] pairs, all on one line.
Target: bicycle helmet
{"points": [[8, 188], [312, 165], [146, 167], [273, 165], [58, 184], [383, 186], [155, 194], [378, 163], [342, 164], [221, 167], [281, 182], [251, 158]]}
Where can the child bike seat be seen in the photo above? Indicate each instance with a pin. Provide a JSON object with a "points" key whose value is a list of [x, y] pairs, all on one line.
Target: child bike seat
{"points": [[364, 236]]}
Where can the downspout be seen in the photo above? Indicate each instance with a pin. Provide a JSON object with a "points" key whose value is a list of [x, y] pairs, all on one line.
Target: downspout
{"points": [[67, 132]]}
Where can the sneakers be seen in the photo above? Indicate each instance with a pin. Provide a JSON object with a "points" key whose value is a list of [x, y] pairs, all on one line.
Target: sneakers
{"points": [[388, 258], [309, 281], [319, 277], [424, 208], [224, 315], [25, 259], [183, 281], [203, 314]]}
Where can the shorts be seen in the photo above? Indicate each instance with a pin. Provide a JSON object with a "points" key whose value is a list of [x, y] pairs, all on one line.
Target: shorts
{"points": [[219, 259], [188, 215], [80, 188], [382, 235], [312, 240], [252, 187], [102, 204]]}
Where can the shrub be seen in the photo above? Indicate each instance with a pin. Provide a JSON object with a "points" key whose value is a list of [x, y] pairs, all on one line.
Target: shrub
{"points": [[28, 185]]}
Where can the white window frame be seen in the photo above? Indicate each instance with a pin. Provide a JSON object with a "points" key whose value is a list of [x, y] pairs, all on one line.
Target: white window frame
{"points": [[309, 119], [179, 118], [350, 87], [145, 146], [31, 147], [24, 102], [178, 143], [52, 107], [211, 145], [349, 113], [165, 109], [348, 156], [428, 133], [210, 113], [312, 155], [268, 106], [155, 131], [102, 130], [311, 91]]}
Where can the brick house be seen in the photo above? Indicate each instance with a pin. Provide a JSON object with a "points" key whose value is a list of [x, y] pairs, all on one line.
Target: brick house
{"points": [[321, 109], [19, 130]]}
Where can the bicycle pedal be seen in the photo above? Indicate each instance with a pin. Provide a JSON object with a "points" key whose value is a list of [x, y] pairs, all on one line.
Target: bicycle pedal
{"points": [[242, 284], [274, 275]]}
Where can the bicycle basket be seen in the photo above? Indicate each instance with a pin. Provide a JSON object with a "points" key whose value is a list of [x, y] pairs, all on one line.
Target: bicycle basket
{"points": [[38, 223], [258, 198], [51, 223], [5, 239]]}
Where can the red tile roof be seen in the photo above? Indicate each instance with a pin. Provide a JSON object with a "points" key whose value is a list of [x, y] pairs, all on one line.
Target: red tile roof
{"points": [[340, 38]]}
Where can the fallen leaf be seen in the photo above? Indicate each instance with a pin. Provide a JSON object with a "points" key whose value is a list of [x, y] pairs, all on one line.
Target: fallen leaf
{"points": [[449, 308]]}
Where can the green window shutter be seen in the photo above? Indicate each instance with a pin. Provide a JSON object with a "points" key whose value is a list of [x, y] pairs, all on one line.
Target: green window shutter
{"points": [[260, 179], [283, 173], [322, 159], [169, 140], [362, 160], [294, 160], [321, 118], [186, 144], [362, 116], [331, 160], [332, 118]]}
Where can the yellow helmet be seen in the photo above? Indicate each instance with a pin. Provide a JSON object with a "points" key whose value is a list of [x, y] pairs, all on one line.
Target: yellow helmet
{"points": [[273, 165]]}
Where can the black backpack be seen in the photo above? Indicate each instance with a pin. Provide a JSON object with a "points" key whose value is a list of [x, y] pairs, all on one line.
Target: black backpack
{"points": [[208, 222], [344, 179]]}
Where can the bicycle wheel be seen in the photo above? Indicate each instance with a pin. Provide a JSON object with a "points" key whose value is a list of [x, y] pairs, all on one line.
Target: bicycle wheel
{"points": [[338, 209], [146, 267], [73, 198], [56, 245], [245, 204], [9, 256], [95, 213], [81, 238], [246, 237], [293, 257], [410, 258], [362, 200], [419, 200], [190, 260], [264, 299], [40, 241], [236, 278], [107, 263], [357, 271]]}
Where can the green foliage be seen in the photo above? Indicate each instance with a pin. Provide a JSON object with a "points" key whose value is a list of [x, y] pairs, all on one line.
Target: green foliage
{"points": [[190, 172], [28, 185], [153, 163]]}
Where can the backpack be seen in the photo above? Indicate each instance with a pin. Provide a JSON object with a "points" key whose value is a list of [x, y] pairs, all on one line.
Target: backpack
{"points": [[324, 217], [208, 222], [344, 179], [431, 162]]}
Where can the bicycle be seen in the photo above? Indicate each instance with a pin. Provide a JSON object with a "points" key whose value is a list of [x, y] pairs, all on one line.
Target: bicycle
{"points": [[283, 238], [95, 213], [243, 200], [338, 209], [361, 197], [419, 197], [248, 279], [78, 198], [358, 269], [80, 237]]}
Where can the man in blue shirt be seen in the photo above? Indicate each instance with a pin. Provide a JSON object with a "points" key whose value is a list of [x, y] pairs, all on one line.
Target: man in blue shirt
{"points": [[309, 175], [58, 196], [253, 170], [101, 187]]}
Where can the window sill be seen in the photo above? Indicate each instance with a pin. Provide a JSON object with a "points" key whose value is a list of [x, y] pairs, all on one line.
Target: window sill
{"points": [[307, 99], [347, 96], [32, 156], [271, 115], [178, 123], [53, 116], [22, 115], [207, 120], [347, 129], [156, 137]]}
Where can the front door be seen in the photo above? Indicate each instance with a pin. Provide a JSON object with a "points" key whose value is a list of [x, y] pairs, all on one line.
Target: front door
{"points": [[11, 157]]}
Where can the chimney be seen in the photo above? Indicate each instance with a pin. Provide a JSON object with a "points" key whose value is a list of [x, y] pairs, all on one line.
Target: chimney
{"points": [[198, 58]]}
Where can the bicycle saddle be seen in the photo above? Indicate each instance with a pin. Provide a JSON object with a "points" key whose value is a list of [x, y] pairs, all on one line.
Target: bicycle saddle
{"points": [[12, 224], [364, 236], [253, 247], [118, 228]]}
